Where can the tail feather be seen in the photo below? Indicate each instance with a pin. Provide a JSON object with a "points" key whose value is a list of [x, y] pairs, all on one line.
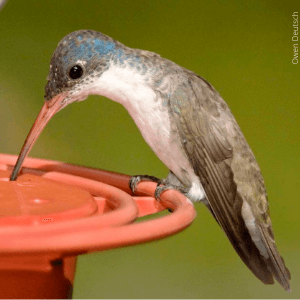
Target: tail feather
{"points": [[263, 268], [276, 265]]}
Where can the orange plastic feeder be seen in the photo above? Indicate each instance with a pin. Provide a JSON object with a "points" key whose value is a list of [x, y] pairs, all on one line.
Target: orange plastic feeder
{"points": [[55, 211]]}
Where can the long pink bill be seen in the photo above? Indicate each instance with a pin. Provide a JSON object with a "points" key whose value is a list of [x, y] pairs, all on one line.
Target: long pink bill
{"points": [[49, 109]]}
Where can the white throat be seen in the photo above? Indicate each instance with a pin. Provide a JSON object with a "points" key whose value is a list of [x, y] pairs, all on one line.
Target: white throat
{"points": [[124, 85], [131, 89]]}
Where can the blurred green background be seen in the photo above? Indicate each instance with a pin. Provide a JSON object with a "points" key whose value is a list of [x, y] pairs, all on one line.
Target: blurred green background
{"points": [[245, 49]]}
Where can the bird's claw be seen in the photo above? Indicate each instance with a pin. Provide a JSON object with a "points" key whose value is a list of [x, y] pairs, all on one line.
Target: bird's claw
{"points": [[162, 185], [166, 186], [135, 180], [160, 189]]}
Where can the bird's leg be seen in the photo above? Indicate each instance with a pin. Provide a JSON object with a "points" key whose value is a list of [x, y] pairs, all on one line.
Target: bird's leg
{"points": [[168, 186], [162, 185], [135, 180]]}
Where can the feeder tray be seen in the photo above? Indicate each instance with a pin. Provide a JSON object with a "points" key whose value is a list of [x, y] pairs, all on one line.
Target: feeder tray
{"points": [[55, 211]]}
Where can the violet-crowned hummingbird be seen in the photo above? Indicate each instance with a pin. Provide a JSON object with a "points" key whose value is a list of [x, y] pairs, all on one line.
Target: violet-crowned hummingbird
{"points": [[186, 123]]}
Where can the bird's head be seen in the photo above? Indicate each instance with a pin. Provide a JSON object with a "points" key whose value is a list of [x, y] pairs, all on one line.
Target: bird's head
{"points": [[79, 60]]}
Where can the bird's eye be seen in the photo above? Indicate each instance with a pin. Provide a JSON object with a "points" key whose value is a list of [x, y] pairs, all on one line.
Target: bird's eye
{"points": [[76, 72]]}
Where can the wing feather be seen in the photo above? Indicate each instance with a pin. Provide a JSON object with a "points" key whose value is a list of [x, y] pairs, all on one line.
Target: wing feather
{"points": [[216, 148]]}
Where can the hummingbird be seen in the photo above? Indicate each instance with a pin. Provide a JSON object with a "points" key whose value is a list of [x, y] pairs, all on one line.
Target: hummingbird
{"points": [[186, 123]]}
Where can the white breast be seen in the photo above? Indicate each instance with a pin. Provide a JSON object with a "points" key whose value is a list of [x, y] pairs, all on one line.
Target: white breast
{"points": [[152, 118]]}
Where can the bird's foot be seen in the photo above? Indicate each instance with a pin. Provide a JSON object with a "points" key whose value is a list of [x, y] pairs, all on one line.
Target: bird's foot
{"points": [[135, 180], [168, 186], [162, 185]]}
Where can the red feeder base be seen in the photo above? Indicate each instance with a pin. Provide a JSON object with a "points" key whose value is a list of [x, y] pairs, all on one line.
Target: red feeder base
{"points": [[55, 211]]}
